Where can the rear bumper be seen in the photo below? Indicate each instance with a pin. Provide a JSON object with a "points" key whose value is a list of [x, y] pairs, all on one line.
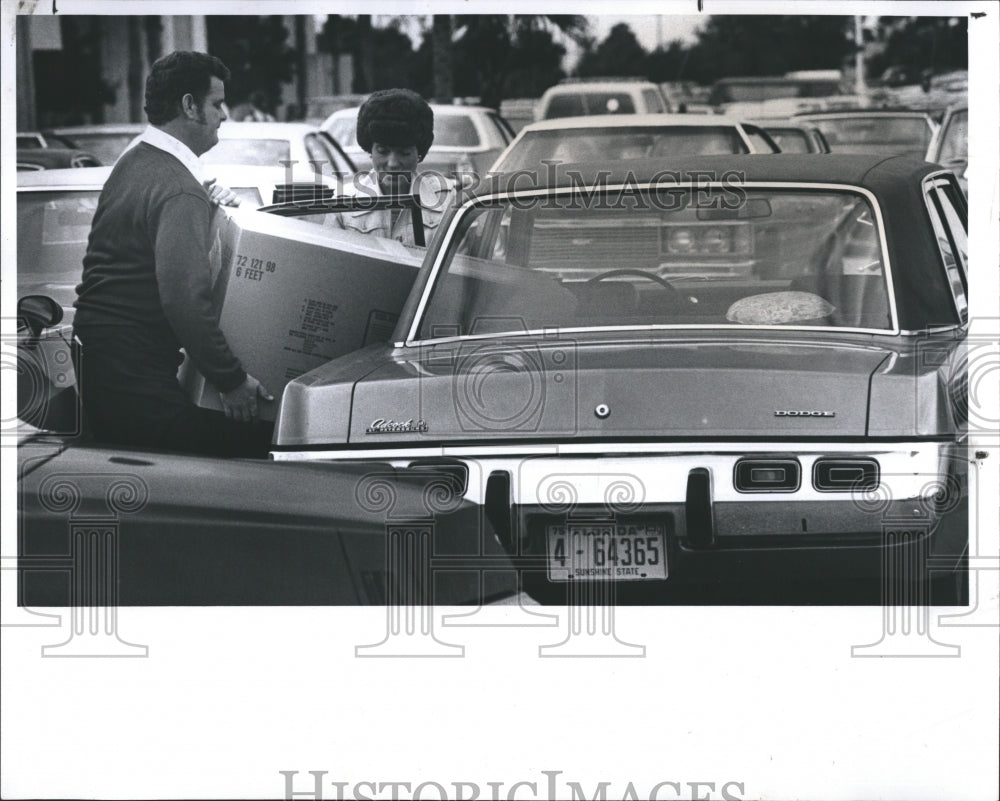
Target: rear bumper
{"points": [[912, 524]]}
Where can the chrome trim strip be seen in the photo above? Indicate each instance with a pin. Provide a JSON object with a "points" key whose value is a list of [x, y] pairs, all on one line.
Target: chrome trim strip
{"points": [[580, 448], [411, 336], [908, 472]]}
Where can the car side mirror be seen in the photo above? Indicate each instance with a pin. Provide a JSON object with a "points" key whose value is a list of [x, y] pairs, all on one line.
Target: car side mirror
{"points": [[38, 312]]}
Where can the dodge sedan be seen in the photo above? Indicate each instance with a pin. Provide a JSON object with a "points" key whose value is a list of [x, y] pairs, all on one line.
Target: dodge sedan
{"points": [[679, 375]]}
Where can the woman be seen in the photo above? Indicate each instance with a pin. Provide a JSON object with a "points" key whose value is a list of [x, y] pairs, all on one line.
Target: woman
{"points": [[396, 126]]}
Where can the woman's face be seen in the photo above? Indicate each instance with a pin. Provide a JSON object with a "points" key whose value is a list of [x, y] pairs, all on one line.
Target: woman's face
{"points": [[395, 166]]}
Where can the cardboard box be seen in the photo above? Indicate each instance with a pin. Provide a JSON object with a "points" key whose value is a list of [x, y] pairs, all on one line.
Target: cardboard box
{"points": [[294, 294]]}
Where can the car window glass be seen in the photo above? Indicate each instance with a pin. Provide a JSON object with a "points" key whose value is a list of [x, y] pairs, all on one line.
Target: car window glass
{"points": [[584, 144], [609, 103], [322, 156], [752, 257], [653, 102], [107, 147], [757, 139], [52, 232], [565, 105], [455, 130], [955, 138], [506, 132], [950, 233], [342, 129], [790, 140], [902, 135]]}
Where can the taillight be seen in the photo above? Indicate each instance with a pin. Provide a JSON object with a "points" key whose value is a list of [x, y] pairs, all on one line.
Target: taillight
{"points": [[844, 475], [767, 475]]}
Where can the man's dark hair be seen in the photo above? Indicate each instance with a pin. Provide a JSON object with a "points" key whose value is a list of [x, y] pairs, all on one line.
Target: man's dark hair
{"points": [[175, 75]]}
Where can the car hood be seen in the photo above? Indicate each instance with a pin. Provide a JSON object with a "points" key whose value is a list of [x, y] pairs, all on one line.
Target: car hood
{"points": [[556, 388]]}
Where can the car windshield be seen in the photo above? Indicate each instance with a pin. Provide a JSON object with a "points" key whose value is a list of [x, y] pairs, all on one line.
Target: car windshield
{"points": [[732, 257], [890, 135], [594, 144], [265, 152]]}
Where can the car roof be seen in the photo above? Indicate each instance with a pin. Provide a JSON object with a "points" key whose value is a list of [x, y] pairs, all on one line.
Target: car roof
{"points": [[867, 171], [636, 121]]}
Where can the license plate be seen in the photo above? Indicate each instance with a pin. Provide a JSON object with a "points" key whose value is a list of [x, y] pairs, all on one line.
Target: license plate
{"points": [[609, 551]]}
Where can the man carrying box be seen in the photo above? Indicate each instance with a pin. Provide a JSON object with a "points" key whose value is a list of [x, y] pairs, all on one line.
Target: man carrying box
{"points": [[146, 288]]}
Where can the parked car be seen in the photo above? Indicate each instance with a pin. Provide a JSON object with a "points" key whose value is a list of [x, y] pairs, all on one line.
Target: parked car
{"points": [[795, 137], [585, 97], [106, 141], [661, 379], [466, 138], [53, 158], [950, 145], [33, 139], [273, 144], [617, 138], [886, 131]]}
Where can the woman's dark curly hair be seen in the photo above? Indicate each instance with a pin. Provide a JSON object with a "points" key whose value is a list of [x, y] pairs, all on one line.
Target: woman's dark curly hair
{"points": [[175, 75], [396, 117]]}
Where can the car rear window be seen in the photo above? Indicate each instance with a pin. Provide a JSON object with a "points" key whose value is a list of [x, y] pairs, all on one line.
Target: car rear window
{"points": [[585, 144], [609, 103], [264, 152], [565, 105], [747, 257]]}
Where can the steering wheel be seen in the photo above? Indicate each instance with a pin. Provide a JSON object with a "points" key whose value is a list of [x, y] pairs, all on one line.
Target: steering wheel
{"points": [[634, 272]]}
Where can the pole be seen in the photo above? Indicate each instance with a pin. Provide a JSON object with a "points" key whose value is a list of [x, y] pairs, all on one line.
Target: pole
{"points": [[859, 57]]}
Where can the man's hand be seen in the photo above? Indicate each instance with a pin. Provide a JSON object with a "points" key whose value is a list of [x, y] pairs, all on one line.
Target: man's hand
{"points": [[220, 195], [241, 403]]}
